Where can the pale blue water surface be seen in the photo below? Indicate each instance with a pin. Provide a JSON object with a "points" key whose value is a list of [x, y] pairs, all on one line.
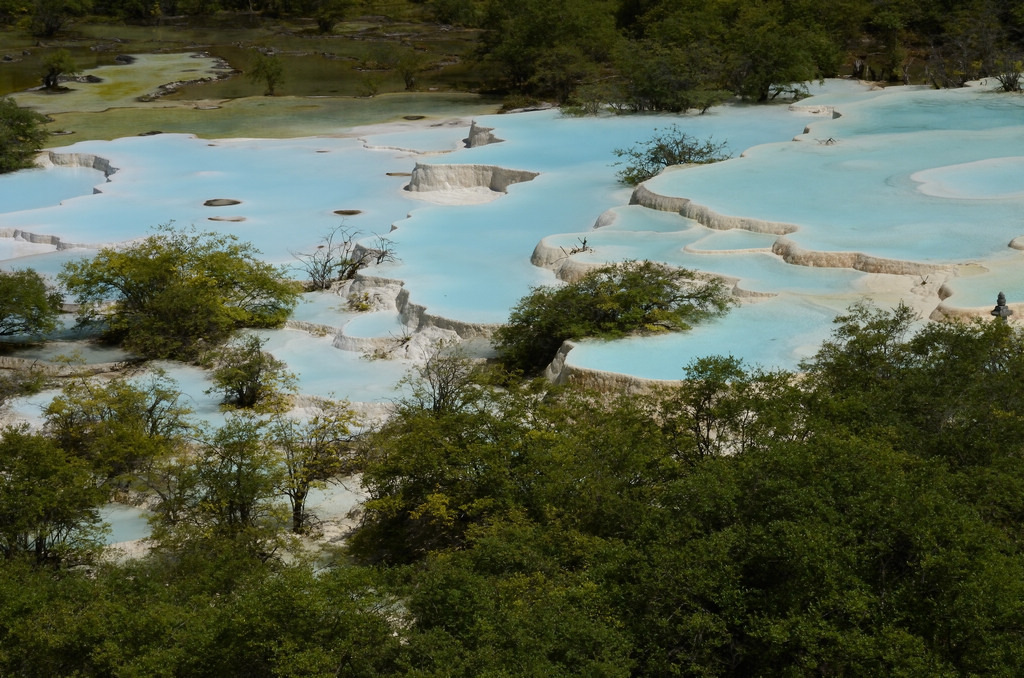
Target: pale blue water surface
{"points": [[909, 174]]}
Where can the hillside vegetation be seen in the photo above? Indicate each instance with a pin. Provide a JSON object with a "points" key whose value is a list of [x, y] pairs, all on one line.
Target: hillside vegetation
{"points": [[862, 518], [636, 54]]}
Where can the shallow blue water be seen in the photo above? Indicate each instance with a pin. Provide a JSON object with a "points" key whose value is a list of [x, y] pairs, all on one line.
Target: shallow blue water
{"points": [[934, 177]]}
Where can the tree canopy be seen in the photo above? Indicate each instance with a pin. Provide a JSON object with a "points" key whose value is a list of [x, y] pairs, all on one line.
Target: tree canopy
{"points": [[665, 148], [27, 305], [608, 302], [22, 135], [177, 292], [58, 64], [861, 517]]}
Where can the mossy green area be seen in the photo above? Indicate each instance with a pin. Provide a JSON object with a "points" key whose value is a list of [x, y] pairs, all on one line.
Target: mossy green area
{"points": [[267, 117], [368, 70]]}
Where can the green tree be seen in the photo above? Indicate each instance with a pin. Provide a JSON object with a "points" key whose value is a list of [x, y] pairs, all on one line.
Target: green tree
{"points": [[431, 476], [119, 427], [314, 451], [22, 135], [939, 389], [55, 65], [267, 69], [248, 376], [47, 18], [458, 12], [224, 494], [519, 452], [561, 71], [448, 381], [27, 305], [519, 37], [722, 408], [518, 602], [204, 614], [239, 475], [329, 12], [771, 55], [609, 302], [49, 502], [177, 292], [665, 149]]}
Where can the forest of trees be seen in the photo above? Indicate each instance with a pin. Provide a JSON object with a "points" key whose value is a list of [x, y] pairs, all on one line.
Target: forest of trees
{"points": [[861, 517], [666, 55]]}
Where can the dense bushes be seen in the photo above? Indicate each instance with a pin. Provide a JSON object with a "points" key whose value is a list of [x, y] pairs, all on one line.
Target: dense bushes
{"points": [[22, 135], [862, 518], [609, 302], [27, 305], [665, 148], [177, 292]]}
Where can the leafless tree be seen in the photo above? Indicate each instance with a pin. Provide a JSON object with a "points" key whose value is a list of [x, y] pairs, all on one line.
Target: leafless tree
{"points": [[340, 257]]}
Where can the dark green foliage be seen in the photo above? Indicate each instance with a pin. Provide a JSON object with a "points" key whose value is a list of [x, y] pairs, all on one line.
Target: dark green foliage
{"points": [[119, 427], [521, 40], [266, 69], [27, 305], [949, 390], [718, 410], [178, 291], [771, 55], [665, 149], [204, 616], [458, 12], [525, 451], [223, 496], [838, 554], [671, 78], [22, 135], [49, 501], [522, 600], [862, 519], [609, 302], [248, 376], [689, 54], [447, 382], [47, 18], [314, 451], [55, 65]]}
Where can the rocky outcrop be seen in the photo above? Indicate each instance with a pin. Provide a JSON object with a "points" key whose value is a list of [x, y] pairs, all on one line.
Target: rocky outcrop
{"points": [[560, 372], [948, 311], [430, 177], [416, 317], [86, 160], [791, 253], [56, 159], [815, 109], [480, 136], [704, 215], [390, 294], [316, 329], [559, 260]]}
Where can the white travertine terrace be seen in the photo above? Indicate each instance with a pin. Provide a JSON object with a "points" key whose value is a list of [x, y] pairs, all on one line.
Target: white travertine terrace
{"points": [[86, 160], [435, 177], [642, 195], [560, 372]]}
